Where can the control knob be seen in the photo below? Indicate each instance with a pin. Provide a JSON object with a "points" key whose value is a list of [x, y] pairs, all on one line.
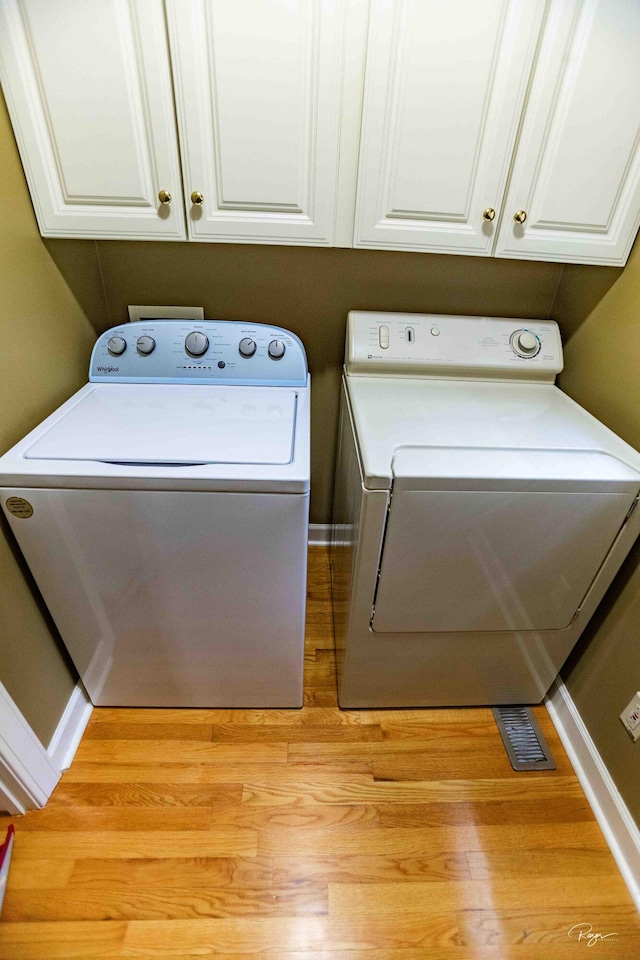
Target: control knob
{"points": [[145, 345], [196, 344], [116, 346], [276, 349], [247, 347], [525, 343]]}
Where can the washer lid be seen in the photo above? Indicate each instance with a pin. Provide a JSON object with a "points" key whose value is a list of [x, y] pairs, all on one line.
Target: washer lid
{"points": [[152, 424]]}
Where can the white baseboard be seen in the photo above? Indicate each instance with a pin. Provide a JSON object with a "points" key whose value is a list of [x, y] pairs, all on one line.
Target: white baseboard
{"points": [[11, 803], [27, 773], [617, 824], [319, 534], [68, 733]]}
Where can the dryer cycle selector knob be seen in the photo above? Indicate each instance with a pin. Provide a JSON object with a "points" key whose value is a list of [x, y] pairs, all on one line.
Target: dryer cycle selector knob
{"points": [[276, 349], [116, 346], [146, 345], [247, 347], [524, 343], [196, 344]]}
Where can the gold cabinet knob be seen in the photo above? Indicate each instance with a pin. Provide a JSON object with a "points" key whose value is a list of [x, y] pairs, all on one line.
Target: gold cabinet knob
{"points": [[520, 216], [164, 196], [489, 214], [197, 198]]}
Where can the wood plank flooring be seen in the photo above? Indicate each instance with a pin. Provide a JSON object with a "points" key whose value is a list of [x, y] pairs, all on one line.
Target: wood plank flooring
{"points": [[312, 834]]}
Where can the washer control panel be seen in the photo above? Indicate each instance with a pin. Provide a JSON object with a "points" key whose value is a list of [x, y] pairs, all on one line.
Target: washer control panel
{"points": [[435, 345], [199, 351]]}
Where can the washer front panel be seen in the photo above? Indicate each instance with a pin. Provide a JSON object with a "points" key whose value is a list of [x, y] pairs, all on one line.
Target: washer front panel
{"points": [[168, 598]]}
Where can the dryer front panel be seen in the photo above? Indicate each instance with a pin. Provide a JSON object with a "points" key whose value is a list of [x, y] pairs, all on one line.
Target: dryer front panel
{"points": [[492, 560]]}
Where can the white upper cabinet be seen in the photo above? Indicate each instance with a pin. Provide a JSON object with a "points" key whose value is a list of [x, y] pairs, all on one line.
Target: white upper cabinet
{"points": [[88, 86], [444, 90], [526, 108], [258, 96], [506, 128], [576, 174]]}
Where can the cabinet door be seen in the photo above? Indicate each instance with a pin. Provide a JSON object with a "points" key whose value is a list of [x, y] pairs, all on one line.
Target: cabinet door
{"points": [[577, 168], [445, 84], [258, 87], [88, 86]]}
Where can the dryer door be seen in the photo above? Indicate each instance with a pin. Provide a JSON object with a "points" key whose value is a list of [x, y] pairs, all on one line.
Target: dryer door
{"points": [[477, 552]]}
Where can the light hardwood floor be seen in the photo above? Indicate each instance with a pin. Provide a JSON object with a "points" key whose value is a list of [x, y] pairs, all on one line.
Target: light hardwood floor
{"points": [[314, 833]]}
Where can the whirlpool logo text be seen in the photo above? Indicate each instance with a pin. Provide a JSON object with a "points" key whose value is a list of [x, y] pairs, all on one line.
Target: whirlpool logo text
{"points": [[108, 369]]}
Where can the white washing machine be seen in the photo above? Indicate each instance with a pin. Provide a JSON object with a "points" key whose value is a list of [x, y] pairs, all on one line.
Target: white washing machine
{"points": [[480, 514], [163, 512]]}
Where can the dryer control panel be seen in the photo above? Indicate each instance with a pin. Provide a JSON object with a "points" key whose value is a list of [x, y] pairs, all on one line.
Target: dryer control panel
{"points": [[199, 351], [435, 345]]}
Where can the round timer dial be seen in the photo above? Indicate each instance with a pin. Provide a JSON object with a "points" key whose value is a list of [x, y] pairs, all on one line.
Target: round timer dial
{"points": [[525, 344]]}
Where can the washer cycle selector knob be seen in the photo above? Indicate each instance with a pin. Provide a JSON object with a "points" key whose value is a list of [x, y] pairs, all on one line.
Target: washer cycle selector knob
{"points": [[146, 345], [276, 349], [116, 346], [524, 343], [247, 347], [196, 344]]}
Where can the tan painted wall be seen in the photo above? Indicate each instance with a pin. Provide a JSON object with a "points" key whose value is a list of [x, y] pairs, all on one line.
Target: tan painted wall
{"points": [[46, 339], [310, 290], [602, 372]]}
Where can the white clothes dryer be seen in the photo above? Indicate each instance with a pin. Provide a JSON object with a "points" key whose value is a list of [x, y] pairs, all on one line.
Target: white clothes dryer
{"points": [[163, 512], [480, 514]]}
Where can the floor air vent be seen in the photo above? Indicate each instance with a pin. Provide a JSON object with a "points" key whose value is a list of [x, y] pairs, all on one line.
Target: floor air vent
{"points": [[523, 739]]}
